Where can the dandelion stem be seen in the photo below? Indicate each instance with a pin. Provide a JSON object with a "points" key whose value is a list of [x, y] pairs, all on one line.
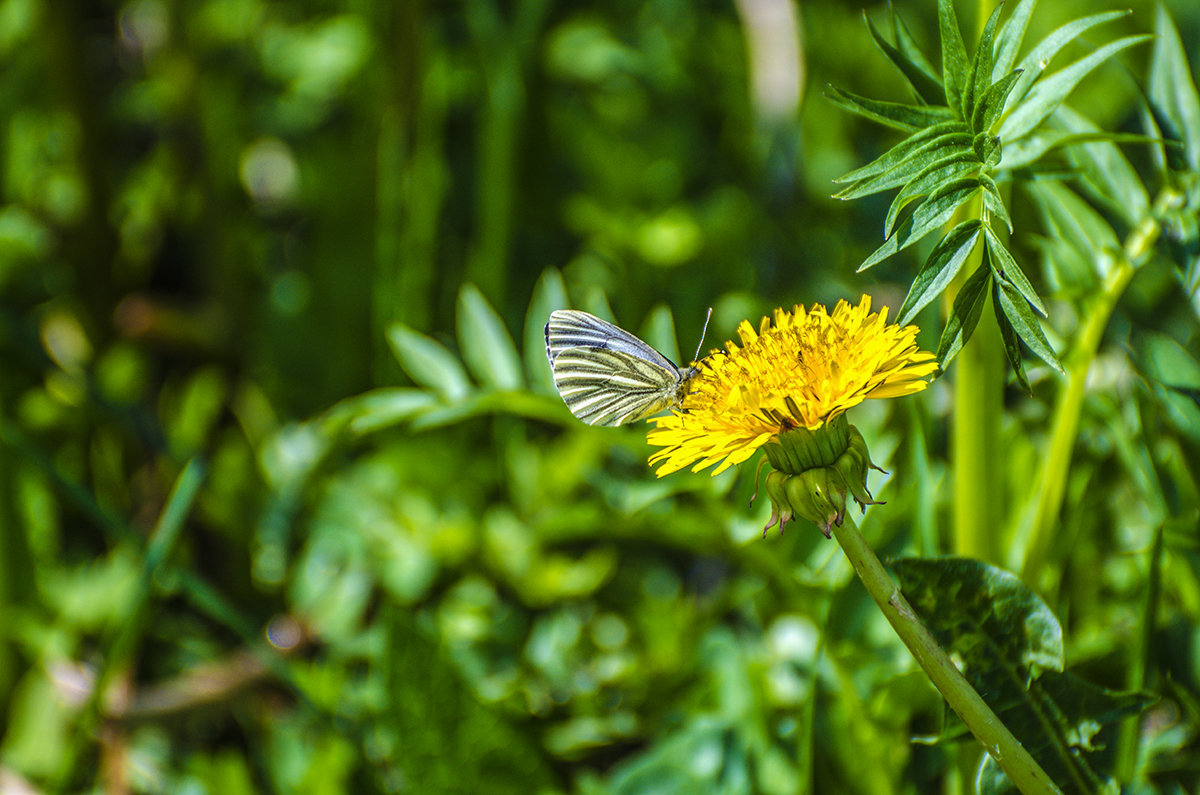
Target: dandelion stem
{"points": [[991, 732]]}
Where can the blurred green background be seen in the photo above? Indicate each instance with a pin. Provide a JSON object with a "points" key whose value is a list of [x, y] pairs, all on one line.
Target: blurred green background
{"points": [[243, 550]]}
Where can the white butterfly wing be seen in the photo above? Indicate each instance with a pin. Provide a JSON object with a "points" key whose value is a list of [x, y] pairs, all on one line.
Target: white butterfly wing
{"points": [[605, 375]]}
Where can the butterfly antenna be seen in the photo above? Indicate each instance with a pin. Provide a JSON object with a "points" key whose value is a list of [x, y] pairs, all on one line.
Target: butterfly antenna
{"points": [[703, 334]]}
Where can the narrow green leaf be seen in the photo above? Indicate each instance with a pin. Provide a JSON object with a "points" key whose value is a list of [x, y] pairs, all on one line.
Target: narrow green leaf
{"points": [[428, 363], [1047, 93], [1038, 59], [485, 343], [939, 172], [924, 84], [942, 265], [1105, 169], [932, 214], [893, 114], [981, 69], [993, 202], [896, 155], [548, 294], [1164, 360], [1005, 268], [1010, 37], [964, 315], [382, 408], [1026, 151], [908, 46], [1016, 309], [1172, 89], [955, 65], [659, 331], [1069, 219], [988, 111], [901, 166], [1012, 345]]}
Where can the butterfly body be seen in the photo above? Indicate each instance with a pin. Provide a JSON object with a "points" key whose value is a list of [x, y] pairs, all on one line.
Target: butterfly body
{"points": [[606, 375]]}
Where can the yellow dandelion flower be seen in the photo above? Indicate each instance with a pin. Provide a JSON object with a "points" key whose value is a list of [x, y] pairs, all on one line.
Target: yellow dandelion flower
{"points": [[799, 370]]}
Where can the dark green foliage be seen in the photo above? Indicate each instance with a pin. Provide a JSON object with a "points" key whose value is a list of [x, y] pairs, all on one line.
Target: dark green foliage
{"points": [[1011, 648]]}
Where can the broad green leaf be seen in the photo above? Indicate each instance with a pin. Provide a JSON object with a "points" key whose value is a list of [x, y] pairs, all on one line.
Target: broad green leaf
{"points": [[993, 202], [955, 65], [428, 363], [1004, 635], [898, 153], [952, 166], [904, 169], [964, 315], [893, 114], [548, 294], [1012, 344], [1010, 37], [981, 70], [988, 110], [1047, 93], [942, 265], [1016, 309], [923, 83], [933, 213], [485, 343], [1035, 62], [1105, 169], [1069, 726], [1172, 89], [1005, 268]]}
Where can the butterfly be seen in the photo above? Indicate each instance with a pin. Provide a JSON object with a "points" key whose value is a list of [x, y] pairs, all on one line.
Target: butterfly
{"points": [[606, 375]]}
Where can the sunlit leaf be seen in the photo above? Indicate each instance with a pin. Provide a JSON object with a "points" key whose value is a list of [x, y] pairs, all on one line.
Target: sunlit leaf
{"points": [[955, 64], [932, 214], [1048, 92], [901, 165], [942, 265], [954, 165], [1012, 343], [1038, 59], [992, 104], [981, 71], [1010, 37]]}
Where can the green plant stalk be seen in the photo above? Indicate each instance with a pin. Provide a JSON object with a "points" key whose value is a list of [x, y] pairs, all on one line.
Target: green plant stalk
{"points": [[1096, 314], [1139, 660], [997, 740], [978, 410]]}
